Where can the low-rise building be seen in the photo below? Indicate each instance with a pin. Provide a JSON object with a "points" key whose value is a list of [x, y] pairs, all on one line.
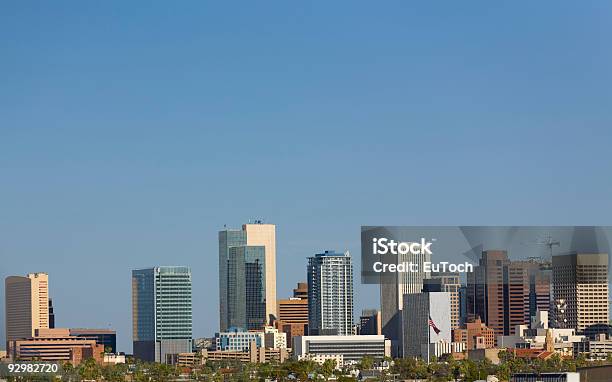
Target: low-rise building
{"points": [[113, 359], [352, 348], [439, 349], [52, 345], [253, 355], [321, 358], [236, 339], [535, 337], [598, 349], [274, 339], [104, 337], [189, 359], [475, 335], [481, 354], [546, 377], [292, 330]]}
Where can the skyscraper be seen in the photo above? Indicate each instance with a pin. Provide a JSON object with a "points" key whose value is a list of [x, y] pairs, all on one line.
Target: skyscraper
{"points": [[260, 234], [449, 282], [162, 315], [527, 289], [428, 322], [504, 293], [26, 305], [246, 287], [260, 239], [392, 298], [330, 294], [293, 313], [580, 282], [485, 291], [295, 309]]}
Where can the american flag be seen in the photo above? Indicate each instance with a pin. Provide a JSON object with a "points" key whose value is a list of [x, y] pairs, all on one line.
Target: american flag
{"points": [[433, 326]]}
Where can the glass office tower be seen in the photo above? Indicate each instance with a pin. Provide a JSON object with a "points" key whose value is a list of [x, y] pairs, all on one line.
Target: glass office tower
{"points": [[227, 239], [247, 287], [247, 276], [162, 314]]}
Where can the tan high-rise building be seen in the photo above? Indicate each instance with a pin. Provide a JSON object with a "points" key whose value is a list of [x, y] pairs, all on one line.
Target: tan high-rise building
{"points": [[260, 234], [247, 276], [27, 305], [580, 282]]}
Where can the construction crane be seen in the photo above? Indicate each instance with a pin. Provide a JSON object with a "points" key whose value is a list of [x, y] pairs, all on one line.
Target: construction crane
{"points": [[547, 241]]}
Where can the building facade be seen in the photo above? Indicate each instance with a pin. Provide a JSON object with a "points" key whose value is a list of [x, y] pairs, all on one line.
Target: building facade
{"points": [[237, 339], [580, 282], [26, 305], [504, 293], [485, 291], [351, 348], [475, 335], [450, 282], [55, 345], [247, 276], [274, 338], [392, 298], [598, 349], [428, 322], [104, 337], [370, 322], [293, 313], [246, 287], [162, 312], [330, 294]]}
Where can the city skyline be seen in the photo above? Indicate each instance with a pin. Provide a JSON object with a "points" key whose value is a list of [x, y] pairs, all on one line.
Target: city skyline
{"points": [[129, 135], [127, 338]]}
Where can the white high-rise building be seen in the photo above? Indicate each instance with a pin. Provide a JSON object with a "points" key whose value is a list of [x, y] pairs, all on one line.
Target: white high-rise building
{"points": [[330, 294], [429, 322], [392, 297]]}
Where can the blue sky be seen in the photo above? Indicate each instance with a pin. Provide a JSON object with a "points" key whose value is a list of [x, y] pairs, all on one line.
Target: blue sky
{"points": [[131, 132]]}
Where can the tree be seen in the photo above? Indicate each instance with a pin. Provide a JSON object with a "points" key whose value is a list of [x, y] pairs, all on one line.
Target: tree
{"points": [[328, 367], [89, 369], [366, 363]]}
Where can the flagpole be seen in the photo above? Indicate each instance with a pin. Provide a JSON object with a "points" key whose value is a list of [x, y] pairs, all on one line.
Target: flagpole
{"points": [[428, 339]]}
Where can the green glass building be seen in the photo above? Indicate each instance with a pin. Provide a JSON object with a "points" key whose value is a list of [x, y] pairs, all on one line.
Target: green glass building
{"points": [[162, 313]]}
